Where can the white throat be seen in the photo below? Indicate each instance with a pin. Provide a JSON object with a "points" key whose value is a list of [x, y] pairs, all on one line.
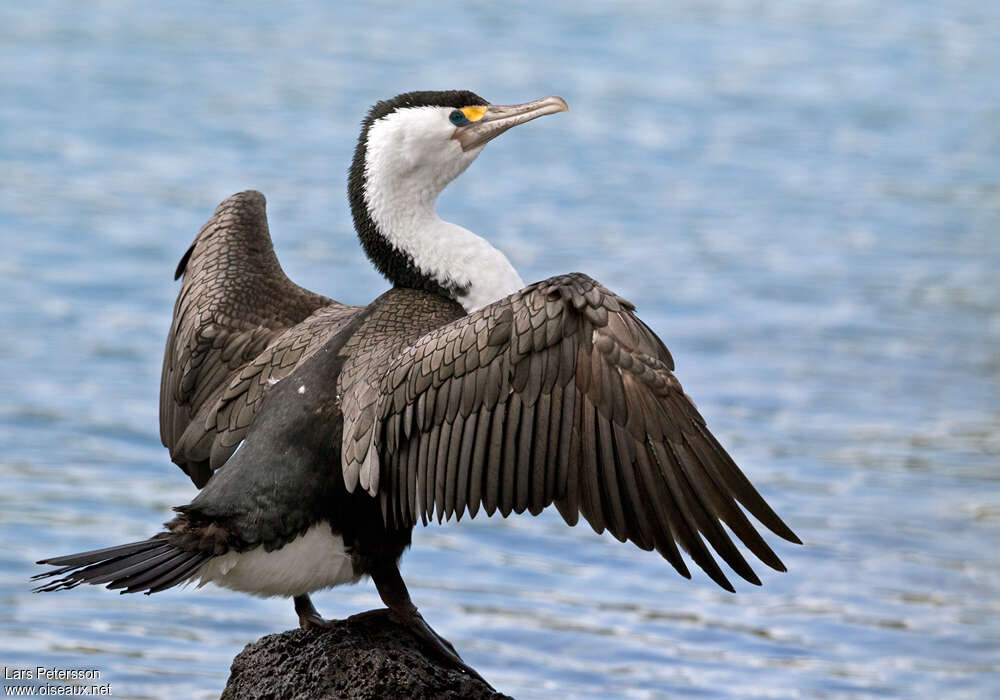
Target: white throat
{"points": [[406, 169]]}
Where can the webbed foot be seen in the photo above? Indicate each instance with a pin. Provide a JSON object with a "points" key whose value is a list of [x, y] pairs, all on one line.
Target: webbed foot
{"points": [[309, 617], [393, 592]]}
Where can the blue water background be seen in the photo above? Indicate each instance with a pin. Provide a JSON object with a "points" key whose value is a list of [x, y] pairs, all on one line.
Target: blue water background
{"points": [[802, 198]]}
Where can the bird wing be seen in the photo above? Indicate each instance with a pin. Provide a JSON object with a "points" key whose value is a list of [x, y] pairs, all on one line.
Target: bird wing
{"points": [[239, 325], [557, 393]]}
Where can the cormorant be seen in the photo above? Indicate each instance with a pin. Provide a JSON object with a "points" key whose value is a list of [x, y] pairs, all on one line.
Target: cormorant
{"points": [[320, 433]]}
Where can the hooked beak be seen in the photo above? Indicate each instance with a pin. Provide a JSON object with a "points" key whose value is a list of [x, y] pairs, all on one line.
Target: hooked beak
{"points": [[498, 118]]}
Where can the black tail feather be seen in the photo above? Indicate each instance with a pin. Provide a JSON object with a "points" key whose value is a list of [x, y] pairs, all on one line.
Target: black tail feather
{"points": [[157, 570], [96, 555], [178, 574], [114, 572], [150, 565]]}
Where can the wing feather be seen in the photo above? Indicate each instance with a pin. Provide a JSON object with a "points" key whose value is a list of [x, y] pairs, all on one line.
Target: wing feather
{"points": [[508, 460], [443, 478], [538, 474], [464, 469], [560, 394], [239, 325]]}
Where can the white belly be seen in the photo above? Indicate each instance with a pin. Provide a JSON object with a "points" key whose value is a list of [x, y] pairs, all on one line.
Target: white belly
{"points": [[315, 559]]}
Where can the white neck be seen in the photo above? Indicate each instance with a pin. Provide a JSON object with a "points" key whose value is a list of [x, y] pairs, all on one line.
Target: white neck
{"points": [[400, 196], [451, 254]]}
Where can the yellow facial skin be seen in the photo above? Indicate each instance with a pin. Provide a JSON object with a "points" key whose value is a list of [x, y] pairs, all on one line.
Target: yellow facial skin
{"points": [[473, 114], [482, 123]]}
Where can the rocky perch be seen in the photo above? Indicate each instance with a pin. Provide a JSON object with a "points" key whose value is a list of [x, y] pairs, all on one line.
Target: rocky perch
{"points": [[367, 657]]}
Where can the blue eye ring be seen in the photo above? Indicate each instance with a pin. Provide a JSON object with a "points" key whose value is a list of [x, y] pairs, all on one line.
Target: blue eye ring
{"points": [[458, 118]]}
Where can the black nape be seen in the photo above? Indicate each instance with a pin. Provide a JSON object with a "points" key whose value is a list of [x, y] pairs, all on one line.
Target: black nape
{"points": [[395, 265]]}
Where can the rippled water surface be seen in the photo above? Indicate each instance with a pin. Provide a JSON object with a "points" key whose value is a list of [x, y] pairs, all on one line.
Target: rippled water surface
{"points": [[803, 199]]}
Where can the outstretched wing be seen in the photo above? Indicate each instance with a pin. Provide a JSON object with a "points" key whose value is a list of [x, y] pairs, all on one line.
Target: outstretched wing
{"points": [[558, 393], [239, 325]]}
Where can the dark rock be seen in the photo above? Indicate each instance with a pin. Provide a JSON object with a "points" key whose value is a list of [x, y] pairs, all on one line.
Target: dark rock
{"points": [[364, 657]]}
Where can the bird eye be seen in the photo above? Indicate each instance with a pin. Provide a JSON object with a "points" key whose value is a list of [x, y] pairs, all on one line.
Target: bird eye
{"points": [[457, 118]]}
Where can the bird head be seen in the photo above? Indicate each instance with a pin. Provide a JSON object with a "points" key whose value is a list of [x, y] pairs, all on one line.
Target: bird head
{"points": [[410, 148], [431, 137]]}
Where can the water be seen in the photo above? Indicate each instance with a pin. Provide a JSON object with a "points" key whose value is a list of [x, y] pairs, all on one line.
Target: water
{"points": [[802, 198]]}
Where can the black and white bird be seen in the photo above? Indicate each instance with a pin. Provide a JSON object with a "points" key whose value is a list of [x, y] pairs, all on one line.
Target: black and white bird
{"points": [[320, 433]]}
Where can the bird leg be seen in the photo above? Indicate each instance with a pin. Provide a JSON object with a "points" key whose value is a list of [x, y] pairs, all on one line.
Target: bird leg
{"points": [[393, 592], [309, 618]]}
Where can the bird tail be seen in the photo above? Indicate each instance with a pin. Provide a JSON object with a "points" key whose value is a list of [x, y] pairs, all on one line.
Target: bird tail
{"points": [[150, 565]]}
